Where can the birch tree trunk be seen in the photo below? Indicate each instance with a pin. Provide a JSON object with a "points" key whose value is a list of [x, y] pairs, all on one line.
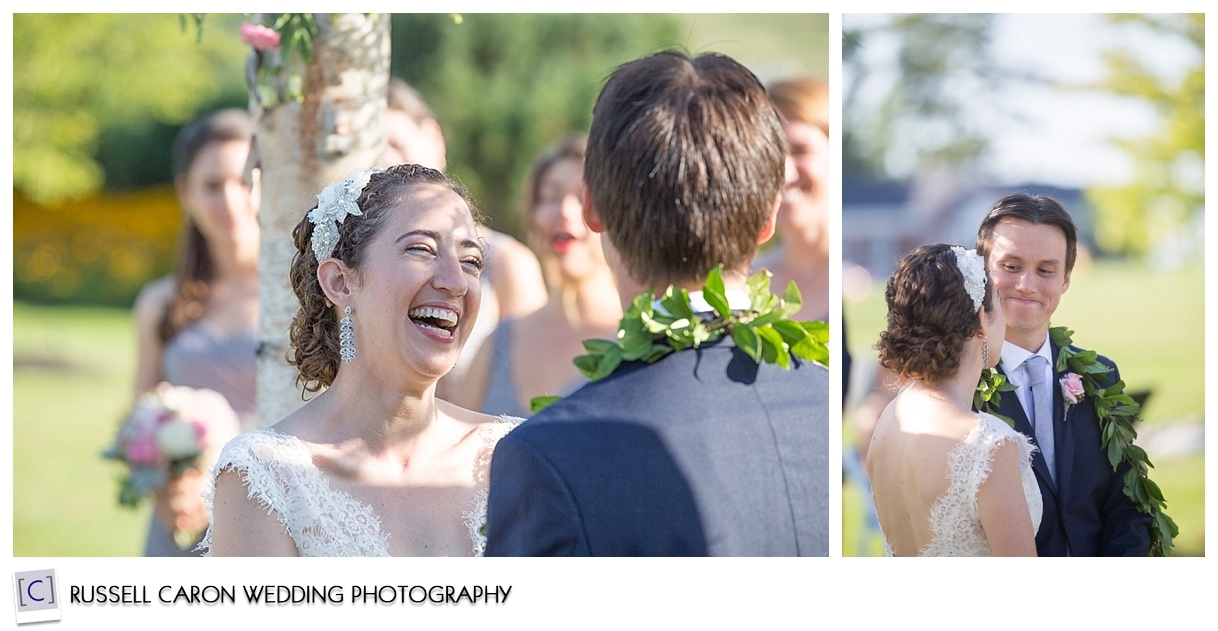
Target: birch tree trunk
{"points": [[303, 146]]}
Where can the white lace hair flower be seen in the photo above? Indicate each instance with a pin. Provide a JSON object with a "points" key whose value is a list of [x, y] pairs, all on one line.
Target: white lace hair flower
{"points": [[334, 203], [972, 267]]}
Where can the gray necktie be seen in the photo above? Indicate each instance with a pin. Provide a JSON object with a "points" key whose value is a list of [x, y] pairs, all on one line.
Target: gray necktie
{"points": [[1042, 409]]}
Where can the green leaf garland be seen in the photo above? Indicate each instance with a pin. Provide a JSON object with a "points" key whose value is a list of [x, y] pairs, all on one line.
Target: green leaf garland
{"points": [[1117, 412], [988, 396], [764, 331]]}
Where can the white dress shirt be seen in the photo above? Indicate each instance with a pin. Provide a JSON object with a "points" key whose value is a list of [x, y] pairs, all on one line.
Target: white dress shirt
{"points": [[1012, 358]]}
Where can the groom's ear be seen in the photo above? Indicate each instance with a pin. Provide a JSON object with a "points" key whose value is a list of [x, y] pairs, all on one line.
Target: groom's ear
{"points": [[767, 231], [591, 218]]}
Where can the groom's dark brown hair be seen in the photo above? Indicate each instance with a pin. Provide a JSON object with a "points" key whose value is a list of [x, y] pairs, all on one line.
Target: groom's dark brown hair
{"points": [[685, 161], [1040, 209]]}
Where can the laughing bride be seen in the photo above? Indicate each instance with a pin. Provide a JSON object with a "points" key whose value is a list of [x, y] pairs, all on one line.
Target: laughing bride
{"points": [[386, 270]]}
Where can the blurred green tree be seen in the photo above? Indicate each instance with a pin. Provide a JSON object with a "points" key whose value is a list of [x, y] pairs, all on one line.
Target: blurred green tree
{"points": [[75, 76], [98, 99], [1159, 211], [505, 87], [941, 87]]}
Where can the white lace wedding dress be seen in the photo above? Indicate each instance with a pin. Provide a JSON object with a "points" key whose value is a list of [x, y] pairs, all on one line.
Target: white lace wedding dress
{"points": [[955, 524], [281, 476]]}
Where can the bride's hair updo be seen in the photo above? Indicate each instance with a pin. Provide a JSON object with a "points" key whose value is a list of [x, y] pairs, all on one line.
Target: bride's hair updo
{"points": [[314, 330], [930, 315]]}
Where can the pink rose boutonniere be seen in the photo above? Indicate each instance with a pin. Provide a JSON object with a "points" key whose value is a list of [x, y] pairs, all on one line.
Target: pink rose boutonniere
{"points": [[260, 37], [1072, 390]]}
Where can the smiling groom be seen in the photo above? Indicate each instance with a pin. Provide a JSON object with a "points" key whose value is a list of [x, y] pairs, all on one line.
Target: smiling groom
{"points": [[704, 451], [1030, 245]]}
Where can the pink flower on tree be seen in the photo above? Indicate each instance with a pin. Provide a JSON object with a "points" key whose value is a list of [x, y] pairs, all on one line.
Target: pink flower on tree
{"points": [[1072, 388], [260, 37]]}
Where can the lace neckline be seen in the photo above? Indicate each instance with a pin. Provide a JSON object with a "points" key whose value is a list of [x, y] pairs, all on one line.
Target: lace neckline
{"points": [[323, 479], [954, 521], [953, 516], [280, 473], [474, 518]]}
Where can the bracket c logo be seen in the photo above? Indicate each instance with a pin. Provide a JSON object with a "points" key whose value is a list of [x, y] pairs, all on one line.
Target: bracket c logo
{"points": [[36, 596]]}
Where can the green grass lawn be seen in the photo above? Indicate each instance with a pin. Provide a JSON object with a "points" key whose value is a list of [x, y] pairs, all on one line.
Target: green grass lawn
{"points": [[1152, 325], [73, 374]]}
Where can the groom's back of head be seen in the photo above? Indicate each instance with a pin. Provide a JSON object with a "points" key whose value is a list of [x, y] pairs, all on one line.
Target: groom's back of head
{"points": [[685, 161]]}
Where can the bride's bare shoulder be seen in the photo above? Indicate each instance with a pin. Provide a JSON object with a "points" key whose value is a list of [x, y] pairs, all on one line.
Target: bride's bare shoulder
{"points": [[474, 424], [918, 414]]}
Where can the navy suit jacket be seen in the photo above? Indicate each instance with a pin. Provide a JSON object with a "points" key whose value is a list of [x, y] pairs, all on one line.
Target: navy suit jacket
{"points": [[1086, 511], [702, 453]]}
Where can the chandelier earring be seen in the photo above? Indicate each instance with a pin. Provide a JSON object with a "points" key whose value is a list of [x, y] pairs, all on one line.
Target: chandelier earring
{"points": [[346, 337]]}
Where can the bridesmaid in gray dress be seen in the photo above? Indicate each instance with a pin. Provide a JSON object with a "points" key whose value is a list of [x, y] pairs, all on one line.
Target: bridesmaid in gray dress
{"points": [[198, 327], [532, 355]]}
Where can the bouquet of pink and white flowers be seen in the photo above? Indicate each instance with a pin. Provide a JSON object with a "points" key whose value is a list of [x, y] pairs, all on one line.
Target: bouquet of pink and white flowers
{"points": [[169, 430]]}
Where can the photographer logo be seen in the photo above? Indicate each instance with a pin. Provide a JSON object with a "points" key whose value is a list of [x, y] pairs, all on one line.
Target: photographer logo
{"points": [[36, 597]]}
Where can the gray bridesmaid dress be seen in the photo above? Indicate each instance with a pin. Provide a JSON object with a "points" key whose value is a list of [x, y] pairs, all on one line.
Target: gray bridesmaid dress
{"points": [[502, 395], [199, 358]]}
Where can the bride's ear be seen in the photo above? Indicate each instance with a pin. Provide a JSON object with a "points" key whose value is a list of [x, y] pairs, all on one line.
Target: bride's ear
{"points": [[337, 280]]}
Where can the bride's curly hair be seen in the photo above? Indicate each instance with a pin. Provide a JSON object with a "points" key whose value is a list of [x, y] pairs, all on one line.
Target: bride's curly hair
{"points": [[314, 331], [930, 315]]}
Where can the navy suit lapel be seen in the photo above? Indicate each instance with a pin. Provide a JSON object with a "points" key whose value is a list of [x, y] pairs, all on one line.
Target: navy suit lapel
{"points": [[1063, 433], [1009, 405]]}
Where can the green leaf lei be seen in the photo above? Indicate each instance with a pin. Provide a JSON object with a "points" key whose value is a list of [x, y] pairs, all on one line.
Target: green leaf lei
{"points": [[1117, 413], [763, 331], [989, 393]]}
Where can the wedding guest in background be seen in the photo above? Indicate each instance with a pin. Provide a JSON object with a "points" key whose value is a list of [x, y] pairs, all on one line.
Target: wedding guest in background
{"points": [[512, 283], [847, 361], [532, 356], [703, 451], [412, 133], [374, 464], [198, 328], [802, 251], [880, 388]]}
